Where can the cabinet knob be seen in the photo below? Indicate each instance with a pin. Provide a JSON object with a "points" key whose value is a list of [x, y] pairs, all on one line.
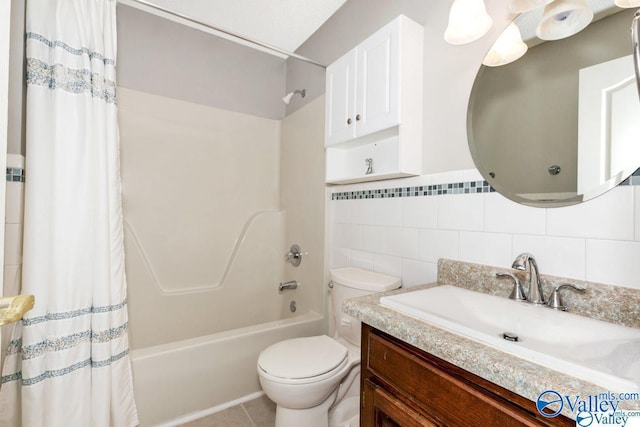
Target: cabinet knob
{"points": [[349, 121], [357, 117]]}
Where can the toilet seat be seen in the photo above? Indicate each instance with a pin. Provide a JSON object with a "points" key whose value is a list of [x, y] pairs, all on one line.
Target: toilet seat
{"points": [[303, 360]]}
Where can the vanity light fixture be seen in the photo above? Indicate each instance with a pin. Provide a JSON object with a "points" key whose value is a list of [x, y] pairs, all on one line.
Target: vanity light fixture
{"points": [[468, 21], [627, 3], [522, 6], [564, 18], [508, 48]]}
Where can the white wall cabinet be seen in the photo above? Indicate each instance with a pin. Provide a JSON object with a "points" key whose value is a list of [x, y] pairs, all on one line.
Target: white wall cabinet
{"points": [[341, 100], [374, 107]]}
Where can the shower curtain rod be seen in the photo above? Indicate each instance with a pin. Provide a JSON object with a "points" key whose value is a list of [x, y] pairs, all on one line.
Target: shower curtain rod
{"points": [[229, 33]]}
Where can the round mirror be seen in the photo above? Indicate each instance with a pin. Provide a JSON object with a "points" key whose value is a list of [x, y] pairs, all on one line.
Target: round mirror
{"points": [[560, 125]]}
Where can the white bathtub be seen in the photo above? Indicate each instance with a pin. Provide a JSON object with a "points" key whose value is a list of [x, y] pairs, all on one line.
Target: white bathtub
{"points": [[185, 380]]}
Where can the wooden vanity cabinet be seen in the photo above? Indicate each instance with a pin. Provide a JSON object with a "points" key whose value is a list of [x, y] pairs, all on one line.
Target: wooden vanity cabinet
{"points": [[402, 385]]}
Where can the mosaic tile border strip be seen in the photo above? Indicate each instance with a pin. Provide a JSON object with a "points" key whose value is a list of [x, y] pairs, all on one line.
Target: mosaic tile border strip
{"points": [[15, 175], [468, 187]]}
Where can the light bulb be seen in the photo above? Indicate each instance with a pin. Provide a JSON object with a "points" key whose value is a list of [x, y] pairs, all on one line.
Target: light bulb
{"points": [[627, 3], [564, 18], [468, 21], [507, 48]]}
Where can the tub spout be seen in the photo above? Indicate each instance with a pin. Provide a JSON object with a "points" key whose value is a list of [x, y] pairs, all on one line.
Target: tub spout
{"points": [[288, 285]]}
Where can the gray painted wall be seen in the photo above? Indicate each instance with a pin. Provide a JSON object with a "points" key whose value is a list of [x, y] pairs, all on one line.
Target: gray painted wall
{"points": [[152, 53], [165, 58], [17, 84]]}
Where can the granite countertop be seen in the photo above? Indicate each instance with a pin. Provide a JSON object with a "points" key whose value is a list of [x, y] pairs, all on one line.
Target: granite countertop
{"points": [[511, 372]]}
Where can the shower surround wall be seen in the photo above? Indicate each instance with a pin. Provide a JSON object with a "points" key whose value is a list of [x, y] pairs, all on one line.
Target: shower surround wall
{"points": [[206, 341], [200, 152], [204, 230], [217, 184]]}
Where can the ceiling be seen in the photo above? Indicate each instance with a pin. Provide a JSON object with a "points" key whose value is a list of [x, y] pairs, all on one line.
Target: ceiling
{"points": [[285, 24]]}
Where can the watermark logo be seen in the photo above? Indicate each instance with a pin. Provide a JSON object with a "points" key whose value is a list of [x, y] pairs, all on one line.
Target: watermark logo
{"points": [[584, 419], [590, 411], [550, 403]]}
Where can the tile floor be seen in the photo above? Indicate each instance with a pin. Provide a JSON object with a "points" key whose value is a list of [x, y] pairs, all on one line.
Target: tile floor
{"points": [[260, 412]]}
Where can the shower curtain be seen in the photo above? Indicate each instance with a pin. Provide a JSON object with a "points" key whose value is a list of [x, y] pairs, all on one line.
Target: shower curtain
{"points": [[68, 362]]}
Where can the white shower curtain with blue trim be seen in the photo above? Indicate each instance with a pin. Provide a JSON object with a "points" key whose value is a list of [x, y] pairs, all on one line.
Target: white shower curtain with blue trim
{"points": [[68, 362]]}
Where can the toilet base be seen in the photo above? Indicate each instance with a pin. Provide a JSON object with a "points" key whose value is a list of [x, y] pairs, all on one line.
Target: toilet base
{"points": [[318, 416]]}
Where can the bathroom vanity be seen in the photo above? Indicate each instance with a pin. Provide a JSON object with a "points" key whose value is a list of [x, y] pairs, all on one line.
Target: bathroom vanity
{"points": [[403, 385], [415, 373]]}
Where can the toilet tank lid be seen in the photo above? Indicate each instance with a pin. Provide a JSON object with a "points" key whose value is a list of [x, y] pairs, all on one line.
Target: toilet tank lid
{"points": [[364, 280]]}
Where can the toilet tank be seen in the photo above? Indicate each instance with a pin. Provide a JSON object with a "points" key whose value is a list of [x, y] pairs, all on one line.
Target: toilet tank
{"points": [[353, 282]]}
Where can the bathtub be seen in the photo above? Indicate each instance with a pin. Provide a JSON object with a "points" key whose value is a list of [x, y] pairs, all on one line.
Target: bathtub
{"points": [[185, 380]]}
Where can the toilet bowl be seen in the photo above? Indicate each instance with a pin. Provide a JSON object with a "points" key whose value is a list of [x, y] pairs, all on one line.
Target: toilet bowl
{"points": [[310, 377]]}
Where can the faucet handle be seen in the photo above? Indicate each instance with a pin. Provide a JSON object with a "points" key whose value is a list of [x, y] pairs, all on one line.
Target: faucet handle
{"points": [[555, 300], [517, 293]]}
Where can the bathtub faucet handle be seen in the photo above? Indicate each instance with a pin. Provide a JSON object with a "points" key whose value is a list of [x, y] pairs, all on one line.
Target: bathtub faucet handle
{"points": [[295, 255]]}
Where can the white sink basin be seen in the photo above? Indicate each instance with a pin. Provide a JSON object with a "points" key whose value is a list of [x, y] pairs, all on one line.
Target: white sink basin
{"points": [[599, 352]]}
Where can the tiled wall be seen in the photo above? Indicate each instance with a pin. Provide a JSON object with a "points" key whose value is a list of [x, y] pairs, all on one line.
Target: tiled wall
{"points": [[598, 240]]}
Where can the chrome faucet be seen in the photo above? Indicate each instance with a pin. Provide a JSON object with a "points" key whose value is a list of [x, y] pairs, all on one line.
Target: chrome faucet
{"points": [[535, 293]]}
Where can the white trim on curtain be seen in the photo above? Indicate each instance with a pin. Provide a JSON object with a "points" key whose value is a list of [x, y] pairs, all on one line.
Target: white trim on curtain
{"points": [[68, 362]]}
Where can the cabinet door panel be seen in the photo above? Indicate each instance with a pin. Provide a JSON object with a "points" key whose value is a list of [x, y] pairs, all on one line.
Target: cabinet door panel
{"points": [[377, 102], [391, 412], [340, 93]]}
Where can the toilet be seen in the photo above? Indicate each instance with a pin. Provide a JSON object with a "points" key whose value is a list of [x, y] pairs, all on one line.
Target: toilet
{"points": [[315, 381]]}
